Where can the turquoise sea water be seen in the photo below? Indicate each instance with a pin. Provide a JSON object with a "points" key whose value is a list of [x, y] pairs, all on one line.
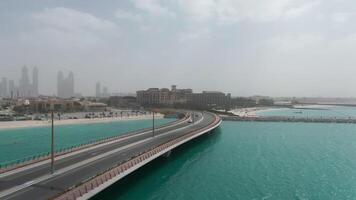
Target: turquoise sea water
{"points": [[327, 112], [251, 160], [25, 142]]}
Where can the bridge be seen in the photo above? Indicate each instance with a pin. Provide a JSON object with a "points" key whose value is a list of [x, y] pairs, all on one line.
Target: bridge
{"points": [[84, 171]]}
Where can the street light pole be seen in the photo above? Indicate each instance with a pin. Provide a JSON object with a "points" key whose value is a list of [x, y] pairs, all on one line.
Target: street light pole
{"points": [[52, 143], [153, 123], [193, 117]]}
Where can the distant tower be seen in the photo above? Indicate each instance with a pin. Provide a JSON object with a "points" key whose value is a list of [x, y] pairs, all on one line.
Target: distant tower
{"points": [[70, 83], [105, 92], [60, 81], [24, 82], [12, 88], [35, 82], [98, 89], [65, 86]]}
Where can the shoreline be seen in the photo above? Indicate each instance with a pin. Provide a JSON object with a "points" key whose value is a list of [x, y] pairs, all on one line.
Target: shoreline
{"points": [[253, 111], [256, 111], [33, 123]]}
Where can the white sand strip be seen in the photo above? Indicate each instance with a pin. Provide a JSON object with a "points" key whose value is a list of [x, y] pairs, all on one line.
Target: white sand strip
{"points": [[252, 112], [35, 123]]}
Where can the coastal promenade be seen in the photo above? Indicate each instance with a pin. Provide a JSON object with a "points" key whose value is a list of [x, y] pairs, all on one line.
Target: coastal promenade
{"points": [[82, 174]]}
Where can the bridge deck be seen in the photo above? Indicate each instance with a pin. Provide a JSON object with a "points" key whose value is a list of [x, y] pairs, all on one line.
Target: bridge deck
{"points": [[65, 152], [34, 182]]}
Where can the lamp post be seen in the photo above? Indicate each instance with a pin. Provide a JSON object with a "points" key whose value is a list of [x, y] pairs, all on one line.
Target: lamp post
{"points": [[153, 123], [52, 138], [193, 117]]}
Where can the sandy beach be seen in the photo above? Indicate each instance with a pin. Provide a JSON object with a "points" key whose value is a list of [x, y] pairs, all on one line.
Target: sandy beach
{"points": [[35, 123], [251, 112], [314, 106]]}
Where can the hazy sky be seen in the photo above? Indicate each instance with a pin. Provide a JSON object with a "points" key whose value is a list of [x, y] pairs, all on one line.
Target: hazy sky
{"points": [[246, 47]]}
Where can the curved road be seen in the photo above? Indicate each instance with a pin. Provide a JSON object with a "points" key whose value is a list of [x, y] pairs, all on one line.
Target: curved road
{"points": [[35, 181]]}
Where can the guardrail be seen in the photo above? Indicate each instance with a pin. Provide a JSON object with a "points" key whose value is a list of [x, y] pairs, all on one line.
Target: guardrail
{"points": [[94, 185], [15, 164]]}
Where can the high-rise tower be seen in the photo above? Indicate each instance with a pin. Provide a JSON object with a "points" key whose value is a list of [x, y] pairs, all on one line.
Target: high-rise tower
{"points": [[12, 88], [35, 82], [65, 86], [98, 89], [70, 82], [24, 86]]}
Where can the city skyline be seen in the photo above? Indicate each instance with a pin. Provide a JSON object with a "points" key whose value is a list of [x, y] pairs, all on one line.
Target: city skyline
{"points": [[30, 87], [24, 87], [33, 89], [279, 48]]}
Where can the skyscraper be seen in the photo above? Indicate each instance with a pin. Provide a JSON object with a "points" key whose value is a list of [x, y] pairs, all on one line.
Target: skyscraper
{"points": [[12, 88], [35, 82], [65, 86], [24, 84], [26, 88], [70, 85], [105, 92], [98, 89]]}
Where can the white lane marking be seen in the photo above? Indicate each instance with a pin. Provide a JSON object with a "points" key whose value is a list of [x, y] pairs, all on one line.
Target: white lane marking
{"points": [[84, 162], [29, 183], [80, 151]]}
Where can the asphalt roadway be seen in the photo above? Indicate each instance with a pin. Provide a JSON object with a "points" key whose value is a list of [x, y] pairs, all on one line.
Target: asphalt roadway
{"points": [[37, 183]]}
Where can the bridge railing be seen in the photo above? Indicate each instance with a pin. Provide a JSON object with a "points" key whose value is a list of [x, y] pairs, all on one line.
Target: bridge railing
{"points": [[17, 163]]}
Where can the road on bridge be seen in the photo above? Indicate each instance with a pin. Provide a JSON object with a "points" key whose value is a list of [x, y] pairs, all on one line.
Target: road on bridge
{"points": [[36, 182]]}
